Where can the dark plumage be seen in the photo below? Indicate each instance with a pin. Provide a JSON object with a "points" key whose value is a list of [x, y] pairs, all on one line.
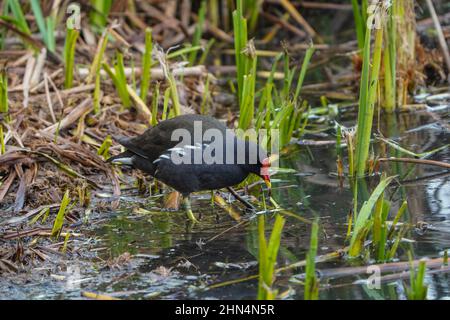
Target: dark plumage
{"points": [[158, 154]]}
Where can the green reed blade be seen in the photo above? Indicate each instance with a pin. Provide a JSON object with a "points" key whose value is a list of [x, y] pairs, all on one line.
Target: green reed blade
{"points": [[4, 104], [364, 214], [418, 289], [367, 100], [146, 65], [359, 23], [206, 98], [422, 155], [398, 216], [98, 59], [155, 101], [57, 225], [97, 92], [100, 12], [2, 140], [166, 104], [262, 258], [206, 51], [304, 68], [311, 280], [268, 253], [69, 56], [19, 17], [104, 148]]}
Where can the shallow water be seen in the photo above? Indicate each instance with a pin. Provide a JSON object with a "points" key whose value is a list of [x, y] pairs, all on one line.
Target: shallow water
{"points": [[161, 255]]}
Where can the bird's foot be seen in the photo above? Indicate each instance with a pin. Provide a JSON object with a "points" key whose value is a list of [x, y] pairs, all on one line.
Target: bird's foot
{"points": [[187, 207]]}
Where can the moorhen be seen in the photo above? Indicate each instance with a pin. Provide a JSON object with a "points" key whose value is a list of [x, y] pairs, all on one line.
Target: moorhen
{"points": [[194, 153]]}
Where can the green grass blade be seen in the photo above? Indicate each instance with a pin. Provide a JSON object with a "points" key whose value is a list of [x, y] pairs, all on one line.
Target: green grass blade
{"points": [[198, 32], [206, 98], [155, 101], [98, 59], [19, 17], [262, 257], [119, 79], [146, 65], [268, 253], [166, 104], [100, 13], [398, 216], [367, 100], [274, 245], [4, 105], [104, 148], [311, 281], [422, 155], [2, 140], [359, 23], [50, 35], [69, 56]]}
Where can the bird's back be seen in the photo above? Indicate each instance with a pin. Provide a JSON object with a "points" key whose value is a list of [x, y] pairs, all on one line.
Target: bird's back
{"points": [[157, 140], [194, 158]]}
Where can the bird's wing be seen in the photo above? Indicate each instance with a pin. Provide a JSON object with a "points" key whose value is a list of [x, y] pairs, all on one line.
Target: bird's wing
{"points": [[157, 140]]}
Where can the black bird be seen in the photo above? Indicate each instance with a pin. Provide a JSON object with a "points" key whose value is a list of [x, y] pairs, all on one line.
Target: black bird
{"points": [[194, 153]]}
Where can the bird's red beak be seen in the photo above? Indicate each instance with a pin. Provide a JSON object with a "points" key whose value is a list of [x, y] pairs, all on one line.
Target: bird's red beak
{"points": [[265, 174]]}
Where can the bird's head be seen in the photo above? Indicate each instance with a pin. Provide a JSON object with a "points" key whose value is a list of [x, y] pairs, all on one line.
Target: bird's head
{"points": [[265, 174], [262, 166]]}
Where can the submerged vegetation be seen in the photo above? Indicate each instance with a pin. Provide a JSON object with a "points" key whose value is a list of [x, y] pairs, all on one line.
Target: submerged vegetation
{"points": [[311, 280], [69, 90]]}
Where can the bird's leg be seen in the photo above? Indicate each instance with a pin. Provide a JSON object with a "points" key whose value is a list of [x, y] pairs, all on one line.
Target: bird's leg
{"points": [[212, 198], [239, 198], [187, 207]]}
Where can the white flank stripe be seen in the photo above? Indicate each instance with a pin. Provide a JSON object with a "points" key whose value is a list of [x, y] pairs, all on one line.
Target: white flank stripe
{"points": [[125, 161]]}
